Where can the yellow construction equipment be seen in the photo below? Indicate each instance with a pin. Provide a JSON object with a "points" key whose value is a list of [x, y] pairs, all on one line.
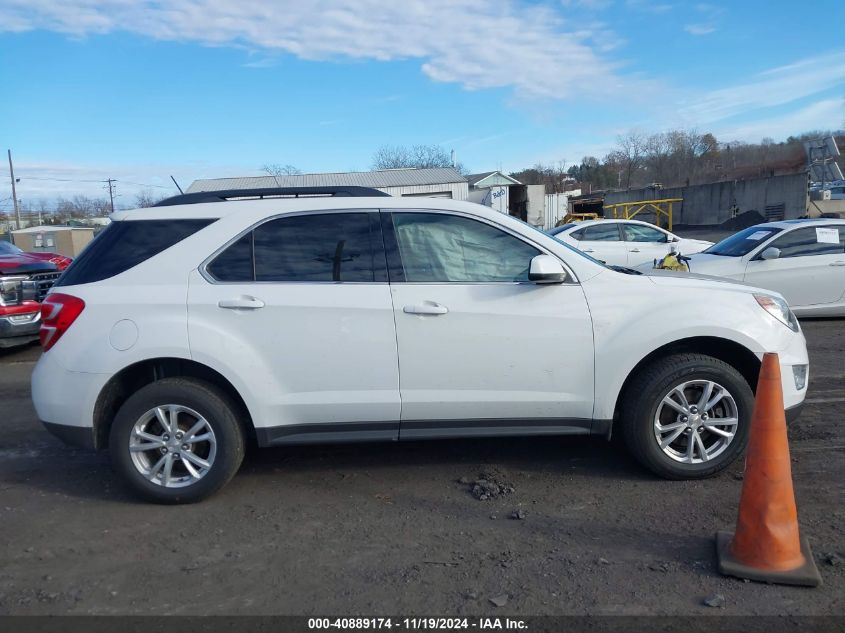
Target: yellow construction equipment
{"points": [[628, 210], [577, 217]]}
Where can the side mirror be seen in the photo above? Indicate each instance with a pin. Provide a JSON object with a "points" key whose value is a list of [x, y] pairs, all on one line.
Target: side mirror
{"points": [[674, 239], [545, 269], [770, 253]]}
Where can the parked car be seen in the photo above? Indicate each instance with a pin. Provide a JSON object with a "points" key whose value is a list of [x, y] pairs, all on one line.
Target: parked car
{"points": [[804, 260], [9, 249], [185, 330], [626, 242], [24, 282]]}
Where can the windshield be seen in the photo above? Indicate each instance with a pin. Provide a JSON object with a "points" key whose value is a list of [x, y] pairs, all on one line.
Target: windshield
{"points": [[744, 242], [560, 229], [7, 248]]}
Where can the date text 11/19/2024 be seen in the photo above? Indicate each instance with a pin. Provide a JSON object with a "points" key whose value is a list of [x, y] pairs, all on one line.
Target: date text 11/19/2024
{"points": [[418, 623]]}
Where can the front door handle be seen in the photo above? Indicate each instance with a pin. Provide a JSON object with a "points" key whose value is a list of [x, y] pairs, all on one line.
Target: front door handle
{"points": [[588, 250], [243, 302], [838, 263], [634, 250], [426, 307]]}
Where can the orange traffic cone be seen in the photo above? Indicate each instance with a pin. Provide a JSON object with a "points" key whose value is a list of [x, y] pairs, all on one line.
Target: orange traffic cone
{"points": [[766, 545]]}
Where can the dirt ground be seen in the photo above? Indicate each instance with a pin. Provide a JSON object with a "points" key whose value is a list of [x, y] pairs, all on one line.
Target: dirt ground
{"points": [[391, 528]]}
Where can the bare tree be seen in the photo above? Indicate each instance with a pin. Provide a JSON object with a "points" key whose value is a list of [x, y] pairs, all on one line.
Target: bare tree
{"points": [[658, 152], [555, 177], [147, 198], [416, 156], [274, 169], [629, 152]]}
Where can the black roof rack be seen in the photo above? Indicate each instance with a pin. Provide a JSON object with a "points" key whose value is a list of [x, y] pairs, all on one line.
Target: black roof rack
{"points": [[270, 192]]}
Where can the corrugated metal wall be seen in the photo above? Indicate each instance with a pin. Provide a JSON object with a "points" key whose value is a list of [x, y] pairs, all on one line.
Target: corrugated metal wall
{"points": [[457, 190]]}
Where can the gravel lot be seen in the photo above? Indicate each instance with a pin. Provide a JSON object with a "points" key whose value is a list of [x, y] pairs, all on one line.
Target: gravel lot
{"points": [[396, 529]]}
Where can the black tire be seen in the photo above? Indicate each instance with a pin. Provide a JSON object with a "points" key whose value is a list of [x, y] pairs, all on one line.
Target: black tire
{"points": [[213, 405], [644, 395]]}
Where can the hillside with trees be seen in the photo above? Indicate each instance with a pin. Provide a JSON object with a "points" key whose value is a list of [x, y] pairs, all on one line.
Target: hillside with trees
{"points": [[677, 158]]}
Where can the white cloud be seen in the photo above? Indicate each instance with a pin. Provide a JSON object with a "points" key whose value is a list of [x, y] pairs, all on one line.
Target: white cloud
{"points": [[699, 29], [826, 114], [589, 5], [709, 14], [771, 88], [264, 62], [649, 6], [474, 43]]}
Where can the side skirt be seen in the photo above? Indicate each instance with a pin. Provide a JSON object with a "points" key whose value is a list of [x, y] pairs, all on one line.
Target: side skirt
{"points": [[332, 433]]}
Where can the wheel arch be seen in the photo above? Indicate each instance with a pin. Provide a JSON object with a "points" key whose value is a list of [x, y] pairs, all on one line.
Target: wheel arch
{"points": [[735, 354], [131, 378]]}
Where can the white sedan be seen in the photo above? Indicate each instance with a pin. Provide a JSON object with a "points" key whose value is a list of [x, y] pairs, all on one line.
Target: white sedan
{"points": [[804, 260], [624, 242]]}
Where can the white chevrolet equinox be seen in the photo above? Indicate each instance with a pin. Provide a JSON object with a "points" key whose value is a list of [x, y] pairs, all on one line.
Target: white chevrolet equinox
{"points": [[339, 315]]}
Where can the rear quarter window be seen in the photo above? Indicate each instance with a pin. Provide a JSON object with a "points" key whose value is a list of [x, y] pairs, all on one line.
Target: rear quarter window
{"points": [[124, 245]]}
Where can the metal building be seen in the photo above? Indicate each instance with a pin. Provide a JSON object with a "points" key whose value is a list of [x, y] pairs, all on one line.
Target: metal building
{"points": [[439, 182]]}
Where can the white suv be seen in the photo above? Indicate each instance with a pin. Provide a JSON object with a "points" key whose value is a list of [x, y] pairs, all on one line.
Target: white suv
{"points": [[185, 330]]}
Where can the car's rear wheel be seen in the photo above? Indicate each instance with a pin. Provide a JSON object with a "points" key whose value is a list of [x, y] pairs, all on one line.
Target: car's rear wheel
{"points": [[687, 416], [177, 440]]}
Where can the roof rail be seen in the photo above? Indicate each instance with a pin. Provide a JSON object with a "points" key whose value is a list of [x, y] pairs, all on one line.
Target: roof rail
{"points": [[270, 192]]}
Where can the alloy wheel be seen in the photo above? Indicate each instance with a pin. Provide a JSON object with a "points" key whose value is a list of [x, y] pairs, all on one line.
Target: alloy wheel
{"points": [[172, 446], [696, 421]]}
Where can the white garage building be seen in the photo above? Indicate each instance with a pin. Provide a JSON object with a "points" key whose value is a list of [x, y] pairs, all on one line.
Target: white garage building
{"points": [[439, 182]]}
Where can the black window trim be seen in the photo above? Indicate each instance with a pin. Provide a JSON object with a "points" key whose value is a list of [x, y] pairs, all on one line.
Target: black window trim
{"points": [[396, 270], [379, 258]]}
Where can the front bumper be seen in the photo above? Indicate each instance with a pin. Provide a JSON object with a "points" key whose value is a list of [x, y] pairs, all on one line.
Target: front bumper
{"points": [[19, 329], [795, 353], [793, 413]]}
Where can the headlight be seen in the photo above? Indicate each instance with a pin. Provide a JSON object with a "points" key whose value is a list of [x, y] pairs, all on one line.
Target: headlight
{"points": [[779, 309], [11, 290]]}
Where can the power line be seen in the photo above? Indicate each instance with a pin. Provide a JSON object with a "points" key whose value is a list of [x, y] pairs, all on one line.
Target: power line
{"points": [[141, 184], [137, 184], [58, 179]]}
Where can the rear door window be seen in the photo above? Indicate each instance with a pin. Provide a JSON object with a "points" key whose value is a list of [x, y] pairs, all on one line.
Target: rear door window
{"points": [[125, 244], [325, 247], [328, 247], [602, 233]]}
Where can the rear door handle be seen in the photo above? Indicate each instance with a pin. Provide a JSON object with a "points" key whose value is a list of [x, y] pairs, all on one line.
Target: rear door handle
{"points": [[634, 250], [426, 307], [243, 302], [588, 250], [837, 264]]}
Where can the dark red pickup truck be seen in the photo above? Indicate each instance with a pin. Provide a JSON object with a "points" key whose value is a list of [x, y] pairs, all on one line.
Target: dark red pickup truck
{"points": [[25, 279]]}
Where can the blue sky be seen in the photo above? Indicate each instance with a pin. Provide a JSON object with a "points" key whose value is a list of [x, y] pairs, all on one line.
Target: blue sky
{"points": [[138, 90]]}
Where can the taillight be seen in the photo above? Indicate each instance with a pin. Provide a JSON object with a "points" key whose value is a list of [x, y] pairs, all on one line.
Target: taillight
{"points": [[58, 312]]}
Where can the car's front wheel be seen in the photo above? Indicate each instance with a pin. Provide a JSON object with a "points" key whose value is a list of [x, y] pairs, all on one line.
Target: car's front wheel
{"points": [[687, 416], [177, 440]]}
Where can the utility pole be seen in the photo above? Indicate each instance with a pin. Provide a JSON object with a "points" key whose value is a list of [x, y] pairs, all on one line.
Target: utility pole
{"points": [[111, 192], [14, 193]]}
